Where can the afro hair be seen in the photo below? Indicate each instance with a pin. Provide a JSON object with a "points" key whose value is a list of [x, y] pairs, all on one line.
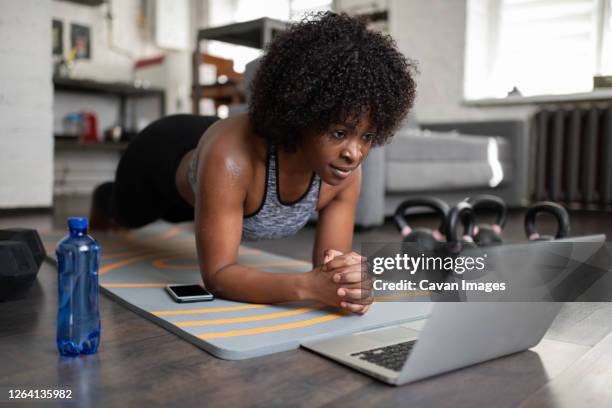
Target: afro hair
{"points": [[326, 70]]}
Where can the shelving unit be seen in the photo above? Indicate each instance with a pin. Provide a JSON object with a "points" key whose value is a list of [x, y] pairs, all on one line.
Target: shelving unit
{"points": [[122, 90], [255, 34], [79, 167]]}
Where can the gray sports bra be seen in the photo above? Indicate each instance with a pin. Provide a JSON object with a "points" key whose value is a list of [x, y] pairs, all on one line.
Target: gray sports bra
{"points": [[274, 218]]}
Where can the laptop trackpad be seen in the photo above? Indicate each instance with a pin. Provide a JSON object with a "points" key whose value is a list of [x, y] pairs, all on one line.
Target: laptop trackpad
{"points": [[390, 335]]}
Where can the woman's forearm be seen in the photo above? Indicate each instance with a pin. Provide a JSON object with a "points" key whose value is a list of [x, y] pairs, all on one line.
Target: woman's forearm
{"points": [[246, 284]]}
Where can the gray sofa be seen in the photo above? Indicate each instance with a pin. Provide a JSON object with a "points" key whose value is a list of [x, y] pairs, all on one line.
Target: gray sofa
{"points": [[450, 161]]}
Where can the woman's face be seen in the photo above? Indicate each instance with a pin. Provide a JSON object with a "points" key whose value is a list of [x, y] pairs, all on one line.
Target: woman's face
{"points": [[336, 153]]}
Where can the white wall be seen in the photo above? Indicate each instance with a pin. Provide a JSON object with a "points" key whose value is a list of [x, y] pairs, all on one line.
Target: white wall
{"points": [[433, 33], [26, 98], [113, 57], [114, 53]]}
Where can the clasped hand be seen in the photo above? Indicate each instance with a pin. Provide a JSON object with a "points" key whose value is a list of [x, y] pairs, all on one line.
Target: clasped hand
{"points": [[342, 281]]}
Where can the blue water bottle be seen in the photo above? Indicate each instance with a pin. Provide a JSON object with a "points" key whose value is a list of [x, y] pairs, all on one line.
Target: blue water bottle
{"points": [[78, 317]]}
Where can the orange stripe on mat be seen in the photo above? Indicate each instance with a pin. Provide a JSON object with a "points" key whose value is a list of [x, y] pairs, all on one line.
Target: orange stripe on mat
{"points": [[110, 267], [234, 333], [210, 310], [125, 253], [162, 263], [249, 318], [130, 236]]}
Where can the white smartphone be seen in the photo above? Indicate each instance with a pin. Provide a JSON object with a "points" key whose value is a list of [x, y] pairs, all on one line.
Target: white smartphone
{"points": [[189, 293]]}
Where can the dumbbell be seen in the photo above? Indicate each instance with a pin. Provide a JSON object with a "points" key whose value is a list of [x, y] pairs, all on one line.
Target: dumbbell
{"points": [[29, 237], [21, 253], [489, 234], [426, 238], [460, 215], [560, 214]]}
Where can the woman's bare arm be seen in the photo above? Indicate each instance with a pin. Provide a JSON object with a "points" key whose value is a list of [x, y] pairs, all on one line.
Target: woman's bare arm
{"points": [[334, 238], [337, 220], [223, 178]]}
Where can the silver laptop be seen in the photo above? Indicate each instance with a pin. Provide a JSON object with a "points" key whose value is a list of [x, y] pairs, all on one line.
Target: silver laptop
{"points": [[455, 335]]}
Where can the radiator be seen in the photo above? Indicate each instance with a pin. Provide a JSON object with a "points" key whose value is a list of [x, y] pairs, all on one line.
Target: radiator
{"points": [[573, 156]]}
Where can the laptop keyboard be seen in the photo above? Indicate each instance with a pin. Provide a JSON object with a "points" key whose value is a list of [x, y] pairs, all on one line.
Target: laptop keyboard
{"points": [[392, 357]]}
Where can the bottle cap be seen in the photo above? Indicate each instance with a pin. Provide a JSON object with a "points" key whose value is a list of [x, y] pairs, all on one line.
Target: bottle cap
{"points": [[77, 223]]}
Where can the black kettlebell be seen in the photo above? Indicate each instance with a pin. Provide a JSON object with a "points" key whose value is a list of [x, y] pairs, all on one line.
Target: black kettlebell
{"points": [[426, 238], [489, 234], [563, 221], [461, 214]]}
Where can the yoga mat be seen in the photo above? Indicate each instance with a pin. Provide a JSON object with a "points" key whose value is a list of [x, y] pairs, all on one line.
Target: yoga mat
{"points": [[136, 266]]}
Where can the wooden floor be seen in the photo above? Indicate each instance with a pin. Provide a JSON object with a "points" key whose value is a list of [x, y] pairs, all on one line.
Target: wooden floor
{"points": [[140, 363]]}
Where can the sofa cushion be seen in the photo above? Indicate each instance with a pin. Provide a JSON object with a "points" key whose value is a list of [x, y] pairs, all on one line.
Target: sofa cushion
{"points": [[445, 175], [423, 145], [420, 160]]}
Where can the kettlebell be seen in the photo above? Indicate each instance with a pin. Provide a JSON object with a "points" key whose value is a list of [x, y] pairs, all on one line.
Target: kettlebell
{"points": [[563, 221], [460, 215], [426, 238], [489, 234]]}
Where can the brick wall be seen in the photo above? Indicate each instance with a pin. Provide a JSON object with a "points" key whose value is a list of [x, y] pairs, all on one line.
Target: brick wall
{"points": [[26, 101]]}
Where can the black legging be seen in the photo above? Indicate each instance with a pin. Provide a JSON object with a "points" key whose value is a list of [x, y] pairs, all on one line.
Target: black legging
{"points": [[144, 189]]}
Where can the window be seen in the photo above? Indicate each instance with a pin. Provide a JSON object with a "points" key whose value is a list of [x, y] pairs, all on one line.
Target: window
{"points": [[605, 57], [537, 46]]}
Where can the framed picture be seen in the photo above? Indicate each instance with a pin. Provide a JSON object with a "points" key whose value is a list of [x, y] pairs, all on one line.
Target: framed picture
{"points": [[80, 39], [57, 33]]}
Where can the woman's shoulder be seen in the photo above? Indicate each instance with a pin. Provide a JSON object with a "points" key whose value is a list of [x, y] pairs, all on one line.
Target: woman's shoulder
{"points": [[230, 144]]}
